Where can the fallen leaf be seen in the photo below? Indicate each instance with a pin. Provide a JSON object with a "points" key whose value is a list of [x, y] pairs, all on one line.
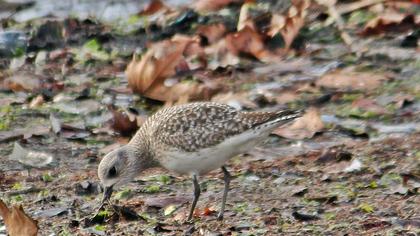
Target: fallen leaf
{"points": [[391, 21], [350, 80], [305, 127], [153, 7], [249, 41], [245, 19], [7, 136], [278, 22], [22, 82], [211, 5], [304, 217], [17, 221], [286, 97], [212, 32], [237, 100], [122, 123], [55, 124], [375, 223], [10, 101], [169, 210], [355, 165], [219, 55], [158, 63], [30, 158], [208, 211], [37, 101], [163, 202], [369, 105], [289, 26], [402, 100], [147, 76], [52, 212]]}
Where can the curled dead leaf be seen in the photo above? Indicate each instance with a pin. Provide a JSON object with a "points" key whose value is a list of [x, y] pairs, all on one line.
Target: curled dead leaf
{"points": [[219, 55], [350, 80], [37, 101], [391, 21], [147, 76], [245, 19], [370, 105], [289, 25], [22, 82], [237, 100], [122, 123], [305, 127], [208, 211], [212, 33], [153, 7], [17, 221], [249, 41], [211, 5], [401, 100]]}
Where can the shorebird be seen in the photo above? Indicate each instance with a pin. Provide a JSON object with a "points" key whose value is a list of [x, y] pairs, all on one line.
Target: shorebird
{"points": [[191, 139]]}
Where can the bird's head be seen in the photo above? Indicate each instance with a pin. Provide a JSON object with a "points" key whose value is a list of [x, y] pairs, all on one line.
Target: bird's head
{"points": [[118, 168]]}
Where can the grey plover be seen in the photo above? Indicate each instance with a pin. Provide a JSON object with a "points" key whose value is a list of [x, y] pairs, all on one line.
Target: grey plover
{"points": [[190, 139]]}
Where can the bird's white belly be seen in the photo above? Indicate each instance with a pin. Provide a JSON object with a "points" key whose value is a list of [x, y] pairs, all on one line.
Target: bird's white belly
{"points": [[208, 159]]}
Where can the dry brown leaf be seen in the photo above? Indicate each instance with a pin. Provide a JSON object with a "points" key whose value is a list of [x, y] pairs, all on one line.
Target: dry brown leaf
{"points": [[153, 7], [250, 42], [349, 80], [219, 55], [369, 105], [286, 97], [211, 5], [156, 65], [305, 127], [289, 26], [195, 57], [237, 100], [17, 222], [391, 21], [22, 82], [148, 75], [37, 101], [212, 33], [189, 91], [278, 22], [401, 100], [122, 123], [356, 5], [245, 19]]}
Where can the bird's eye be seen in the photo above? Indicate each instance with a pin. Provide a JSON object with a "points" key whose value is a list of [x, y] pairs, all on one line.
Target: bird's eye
{"points": [[112, 172]]}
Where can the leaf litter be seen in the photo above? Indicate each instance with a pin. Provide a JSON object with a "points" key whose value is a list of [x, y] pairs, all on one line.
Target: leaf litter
{"points": [[347, 165]]}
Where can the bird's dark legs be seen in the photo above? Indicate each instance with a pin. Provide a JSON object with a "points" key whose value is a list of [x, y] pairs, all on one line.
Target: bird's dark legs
{"points": [[197, 192], [225, 192]]}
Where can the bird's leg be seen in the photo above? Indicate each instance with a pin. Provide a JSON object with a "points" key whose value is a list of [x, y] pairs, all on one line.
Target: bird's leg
{"points": [[197, 192], [225, 192]]}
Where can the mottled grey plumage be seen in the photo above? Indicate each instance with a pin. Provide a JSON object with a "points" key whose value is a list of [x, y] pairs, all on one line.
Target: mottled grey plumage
{"points": [[194, 126], [191, 139]]}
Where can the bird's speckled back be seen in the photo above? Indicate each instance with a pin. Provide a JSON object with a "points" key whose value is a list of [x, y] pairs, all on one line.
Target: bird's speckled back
{"points": [[193, 126]]}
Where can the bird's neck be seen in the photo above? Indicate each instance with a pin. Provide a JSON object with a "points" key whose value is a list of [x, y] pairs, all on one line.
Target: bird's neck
{"points": [[140, 144]]}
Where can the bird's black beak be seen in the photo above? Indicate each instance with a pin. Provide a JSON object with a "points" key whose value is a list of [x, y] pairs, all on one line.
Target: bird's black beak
{"points": [[107, 194]]}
